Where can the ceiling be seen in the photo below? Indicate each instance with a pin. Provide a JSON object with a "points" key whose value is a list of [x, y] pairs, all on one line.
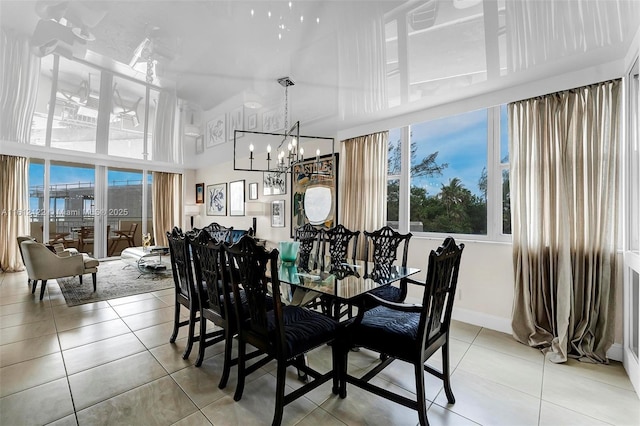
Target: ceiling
{"points": [[350, 60]]}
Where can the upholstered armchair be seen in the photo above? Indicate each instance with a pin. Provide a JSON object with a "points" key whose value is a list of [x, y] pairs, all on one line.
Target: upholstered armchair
{"points": [[43, 264]]}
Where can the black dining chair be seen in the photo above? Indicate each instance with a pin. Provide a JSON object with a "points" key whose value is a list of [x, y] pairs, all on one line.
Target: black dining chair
{"points": [[285, 333], [411, 333], [307, 235], [381, 248], [185, 291], [218, 232], [342, 246]]}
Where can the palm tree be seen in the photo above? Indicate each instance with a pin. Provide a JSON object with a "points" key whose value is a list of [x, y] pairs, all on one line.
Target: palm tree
{"points": [[452, 195]]}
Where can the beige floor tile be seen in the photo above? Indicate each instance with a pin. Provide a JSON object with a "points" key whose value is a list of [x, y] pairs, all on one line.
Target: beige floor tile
{"points": [[169, 299], [101, 352], [165, 292], [140, 306], [23, 307], [24, 350], [27, 317], [38, 405], [131, 299], [66, 310], [25, 297], [319, 417], [150, 318], [457, 349], [27, 374], [401, 374], [70, 420], [108, 380], [439, 416], [505, 343], [159, 334], [613, 374], [506, 370], [92, 333], [169, 355], [553, 415], [201, 383], [159, 402], [489, 403], [27, 331], [463, 331], [362, 407], [256, 406], [75, 320], [595, 399], [195, 419]]}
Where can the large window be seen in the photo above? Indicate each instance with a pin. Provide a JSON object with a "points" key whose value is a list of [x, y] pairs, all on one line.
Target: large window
{"points": [[452, 175]]}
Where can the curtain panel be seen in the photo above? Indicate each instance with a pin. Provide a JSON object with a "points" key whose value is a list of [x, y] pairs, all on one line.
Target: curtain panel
{"points": [[565, 195], [166, 142], [13, 203], [166, 199], [18, 86], [363, 188]]}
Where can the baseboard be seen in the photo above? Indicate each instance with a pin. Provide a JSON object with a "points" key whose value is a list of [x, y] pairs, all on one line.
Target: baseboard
{"points": [[503, 325], [480, 319], [616, 352]]}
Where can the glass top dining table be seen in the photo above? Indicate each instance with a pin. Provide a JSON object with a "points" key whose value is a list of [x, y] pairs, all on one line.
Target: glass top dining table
{"points": [[343, 282]]}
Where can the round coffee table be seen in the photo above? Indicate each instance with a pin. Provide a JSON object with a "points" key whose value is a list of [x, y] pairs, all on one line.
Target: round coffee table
{"points": [[154, 260]]}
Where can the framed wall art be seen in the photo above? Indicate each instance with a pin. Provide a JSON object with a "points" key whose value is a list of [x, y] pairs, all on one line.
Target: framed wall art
{"points": [[216, 131], [199, 193], [272, 120], [253, 191], [217, 199], [199, 144], [236, 122], [274, 183], [252, 121], [314, 193], [236, 198], [277, 214]]}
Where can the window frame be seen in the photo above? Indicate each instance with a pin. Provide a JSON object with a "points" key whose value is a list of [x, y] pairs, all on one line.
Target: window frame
{"points": [[494, 185]]}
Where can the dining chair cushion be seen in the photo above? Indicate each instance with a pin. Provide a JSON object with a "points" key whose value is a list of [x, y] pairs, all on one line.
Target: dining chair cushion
{"points": [[304, 329], [389, 292], [398, 329]]}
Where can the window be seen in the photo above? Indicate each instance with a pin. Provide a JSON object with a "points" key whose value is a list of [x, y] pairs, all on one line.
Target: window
{"points": [[451, 174]]}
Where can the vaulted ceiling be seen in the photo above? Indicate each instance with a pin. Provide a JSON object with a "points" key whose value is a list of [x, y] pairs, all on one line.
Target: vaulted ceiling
{"points": [[350, 60]]}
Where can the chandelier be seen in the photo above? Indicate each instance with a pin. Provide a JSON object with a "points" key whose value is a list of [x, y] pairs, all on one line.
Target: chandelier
{"points": [[279, 148]]}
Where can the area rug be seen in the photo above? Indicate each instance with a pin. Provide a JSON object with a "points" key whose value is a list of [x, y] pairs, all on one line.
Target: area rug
{"points": [[115, 279]]}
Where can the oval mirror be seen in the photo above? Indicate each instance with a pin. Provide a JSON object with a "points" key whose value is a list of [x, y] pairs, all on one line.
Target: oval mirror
{"points": [[317, 204]]}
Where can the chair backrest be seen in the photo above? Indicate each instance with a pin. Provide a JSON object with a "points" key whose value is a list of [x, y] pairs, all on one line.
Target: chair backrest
{"points": [[218, 232], [338, 239], [440, 290], [132, 230], [43, 264], [211, 273], [307, 235], [262, 315], [22, 238], [381, 246], [181, 263]]}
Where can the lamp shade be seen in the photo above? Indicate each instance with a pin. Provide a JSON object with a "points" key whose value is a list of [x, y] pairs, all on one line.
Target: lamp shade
{"points": [[192, 210]]}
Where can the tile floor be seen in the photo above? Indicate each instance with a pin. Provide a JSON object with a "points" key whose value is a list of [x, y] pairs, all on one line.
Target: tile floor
{"points": [[111, 363]]}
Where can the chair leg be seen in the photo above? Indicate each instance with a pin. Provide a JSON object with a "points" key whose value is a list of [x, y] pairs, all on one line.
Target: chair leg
{"points": [[192, 326], [344, 349], [336, 354], [279, 409], [33, 288], [176, 322], [447, 373], [202, 339], [242, 348], [226, 367], [42, 287], [80, 276], [420, 394], [93, 277]]}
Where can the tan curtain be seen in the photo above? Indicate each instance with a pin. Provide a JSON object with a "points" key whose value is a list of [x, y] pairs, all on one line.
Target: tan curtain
{"points": [[167, 203], [363, 183], [20, 71], [13, 202], [564, 194]]}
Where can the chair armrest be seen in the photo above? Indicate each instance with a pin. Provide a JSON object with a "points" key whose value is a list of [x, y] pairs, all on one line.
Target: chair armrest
{"points": [[412, 281]]}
